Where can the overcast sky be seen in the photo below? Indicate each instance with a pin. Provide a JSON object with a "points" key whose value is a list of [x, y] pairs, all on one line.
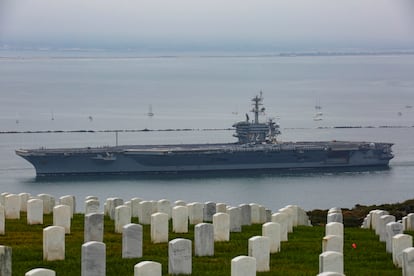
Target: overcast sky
{"points": [[279, 24]]}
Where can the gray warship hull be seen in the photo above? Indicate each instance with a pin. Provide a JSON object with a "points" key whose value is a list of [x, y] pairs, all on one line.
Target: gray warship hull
{"points": [[206, 157], [257, 149]]}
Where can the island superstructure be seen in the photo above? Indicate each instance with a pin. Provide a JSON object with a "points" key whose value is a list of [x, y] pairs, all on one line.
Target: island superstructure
{"points": [[257, 148]]}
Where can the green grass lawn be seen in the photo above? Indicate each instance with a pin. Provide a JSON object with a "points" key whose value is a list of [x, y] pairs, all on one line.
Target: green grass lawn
{"points": [[298, 256]]}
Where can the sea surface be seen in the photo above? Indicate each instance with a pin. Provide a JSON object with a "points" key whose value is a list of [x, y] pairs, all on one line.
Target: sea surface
{"points": [[80, 99]]}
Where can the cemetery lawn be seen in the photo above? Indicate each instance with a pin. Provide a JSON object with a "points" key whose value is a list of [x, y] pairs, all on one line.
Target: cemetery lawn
{"points": [[298, 256]]}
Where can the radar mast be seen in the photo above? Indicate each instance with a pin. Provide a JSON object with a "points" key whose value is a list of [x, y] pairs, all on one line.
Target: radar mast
{"points": [[257, 103], [255, 132]]}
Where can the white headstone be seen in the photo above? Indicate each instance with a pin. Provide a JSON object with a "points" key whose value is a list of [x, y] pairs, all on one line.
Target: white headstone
{"points": [[135, 206], [122, 217], [221, 224], [34, 211], [204, 239], [40, 272], [164, 206], [331, 261], [255, 213], [12, 206], [335, 210], [132, 241], [334, 228], [93, 259], [3, 198], [159, 228], [111, 204], [295, 214], [392, 229], [69, 200], [145, 212], [129, 205], [209, 211], [48, 203], [333, 243], [262, 214], [91, 206], [246, 213], [282, 219], [334, 217], [94, 227], [195, 212], [179, 257], [243, 266], [91, 197], [148, 268], [221, 208], [289, 213], [24, 197], [303, 218], [408, 261], [2, 220], [53, 243], [235, 219], [272, 231], [180, 219], [180, 203], [367, 221], [154, 206], [405, 223], [61, 217], [259, 248], [372, 215], [410, 222], [376, 214], [382, 222], [6, 260], [268, 215], [399, 243]]}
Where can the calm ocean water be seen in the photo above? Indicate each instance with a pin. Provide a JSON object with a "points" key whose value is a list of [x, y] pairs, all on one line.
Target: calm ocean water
{"points": [[115, 93]]}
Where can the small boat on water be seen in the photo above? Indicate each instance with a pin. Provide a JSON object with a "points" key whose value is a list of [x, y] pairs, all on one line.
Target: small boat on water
{"points": [[150, 113], [257, 148], [318, 113]]}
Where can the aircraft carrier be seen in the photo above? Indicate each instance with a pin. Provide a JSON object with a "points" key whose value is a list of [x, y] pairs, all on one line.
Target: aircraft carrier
{"points": [[257, 148]]}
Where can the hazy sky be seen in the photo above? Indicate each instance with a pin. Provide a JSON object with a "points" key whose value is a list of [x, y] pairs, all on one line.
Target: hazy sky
{"points": [[287, 24]]}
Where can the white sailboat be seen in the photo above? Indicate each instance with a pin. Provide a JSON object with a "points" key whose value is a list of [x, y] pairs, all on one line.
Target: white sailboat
{"points": [[150, 113], [318, 113]]}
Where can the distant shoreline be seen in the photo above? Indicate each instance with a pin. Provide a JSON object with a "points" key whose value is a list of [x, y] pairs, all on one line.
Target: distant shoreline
{"points": [[51, 53], [170, 129]]}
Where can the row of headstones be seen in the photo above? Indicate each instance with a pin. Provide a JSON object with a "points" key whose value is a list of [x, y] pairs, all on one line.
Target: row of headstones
{"points": [[407, 221], [205, 233], [391, 232], [243, 215], [179, 260], [229, 219], [197, 212], [36, 206], [260, 247], [54, 236], [331, 260], [16, 203]]}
